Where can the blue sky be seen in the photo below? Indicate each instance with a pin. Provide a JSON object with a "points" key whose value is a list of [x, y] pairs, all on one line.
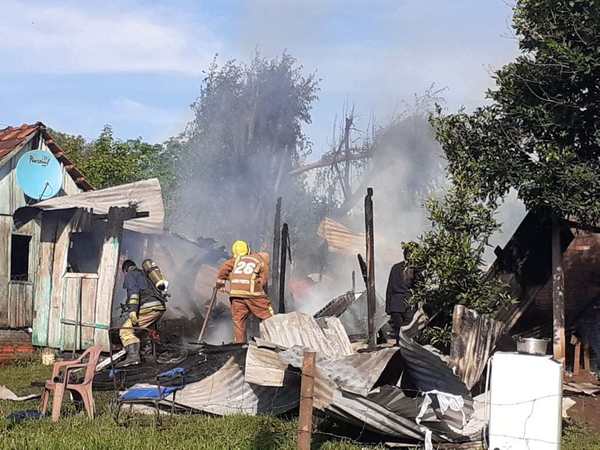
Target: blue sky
{"points": [[77, 65]]}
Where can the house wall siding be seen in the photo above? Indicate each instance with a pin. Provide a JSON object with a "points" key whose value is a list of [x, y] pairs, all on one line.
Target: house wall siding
{"points": [[17, 297]]}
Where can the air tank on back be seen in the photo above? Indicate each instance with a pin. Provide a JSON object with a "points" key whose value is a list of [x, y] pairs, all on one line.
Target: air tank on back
{"points": [[155, 275]]}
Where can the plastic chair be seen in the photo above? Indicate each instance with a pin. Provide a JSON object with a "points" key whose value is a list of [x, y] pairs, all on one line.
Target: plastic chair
{"points": [[59, 383], [154, 395]]}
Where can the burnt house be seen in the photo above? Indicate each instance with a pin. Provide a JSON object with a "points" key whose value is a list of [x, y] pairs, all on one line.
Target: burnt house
{"points": [[525, 263], [19, 245]]}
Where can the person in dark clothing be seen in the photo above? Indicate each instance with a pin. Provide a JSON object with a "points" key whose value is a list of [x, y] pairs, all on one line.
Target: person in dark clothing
{"points": [[145, 307], [400, 282]]}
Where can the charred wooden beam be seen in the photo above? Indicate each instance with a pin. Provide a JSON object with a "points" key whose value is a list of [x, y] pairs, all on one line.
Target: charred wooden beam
{"points": [[284, 253], [274, 288], [370, 267]]}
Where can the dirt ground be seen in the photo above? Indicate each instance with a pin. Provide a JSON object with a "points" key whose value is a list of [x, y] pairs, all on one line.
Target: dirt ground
{"points": [[586, 411]]}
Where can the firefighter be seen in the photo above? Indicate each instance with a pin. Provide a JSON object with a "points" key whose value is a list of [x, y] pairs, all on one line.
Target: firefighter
{"points": [[247, 273], [400, 282], [145, 304]]}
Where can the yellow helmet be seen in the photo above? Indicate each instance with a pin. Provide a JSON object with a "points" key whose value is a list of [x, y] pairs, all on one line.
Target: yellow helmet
{"points": [[240, 248]]}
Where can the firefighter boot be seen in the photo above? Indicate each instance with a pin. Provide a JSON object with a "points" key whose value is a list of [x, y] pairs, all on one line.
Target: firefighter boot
{"points": [[133, 356]]}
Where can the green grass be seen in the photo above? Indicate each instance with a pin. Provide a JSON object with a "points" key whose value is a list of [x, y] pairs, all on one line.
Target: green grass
{"points": [[75, 431], [578, 437]]}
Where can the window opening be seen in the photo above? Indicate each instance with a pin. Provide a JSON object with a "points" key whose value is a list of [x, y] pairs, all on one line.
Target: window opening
{"points": [[19, 257], [85, 250]]}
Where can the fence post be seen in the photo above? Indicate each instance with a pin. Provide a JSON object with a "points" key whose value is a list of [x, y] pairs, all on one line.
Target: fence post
{"points": [[306, 401]]}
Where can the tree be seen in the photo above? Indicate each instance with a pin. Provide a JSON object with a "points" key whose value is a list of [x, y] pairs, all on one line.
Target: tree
{"points": [[449, 260], [235, 155], [108, 161], [541, 133]]}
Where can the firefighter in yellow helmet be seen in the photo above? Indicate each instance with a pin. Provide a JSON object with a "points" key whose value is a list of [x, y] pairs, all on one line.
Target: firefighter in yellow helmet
{"points": [[247, 273]]}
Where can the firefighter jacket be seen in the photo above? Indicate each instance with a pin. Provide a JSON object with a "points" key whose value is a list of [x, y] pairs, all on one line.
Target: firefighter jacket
{"points": [[141, 294], [247, 275]]}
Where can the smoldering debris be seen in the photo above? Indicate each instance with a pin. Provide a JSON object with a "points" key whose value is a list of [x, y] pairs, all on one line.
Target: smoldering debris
{"points": [[395, 392]]}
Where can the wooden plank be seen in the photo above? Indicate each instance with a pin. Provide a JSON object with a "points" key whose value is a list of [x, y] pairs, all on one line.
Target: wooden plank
{"points": [[70, 312], [5, 189], [34, 256], [89, 286], [306, 401], [577, 359], [107, 272], [59, 268], [43, 276], [5, 232], [19, 304]]}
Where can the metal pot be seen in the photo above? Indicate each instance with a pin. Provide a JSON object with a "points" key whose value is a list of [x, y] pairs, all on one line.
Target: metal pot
{"points": [[532, 346]]}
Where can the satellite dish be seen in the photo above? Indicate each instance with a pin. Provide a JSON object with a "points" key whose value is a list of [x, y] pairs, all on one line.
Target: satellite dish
{"points": [[39, 174]]}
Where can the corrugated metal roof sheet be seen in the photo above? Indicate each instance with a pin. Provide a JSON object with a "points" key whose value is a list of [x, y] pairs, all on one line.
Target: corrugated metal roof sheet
{"points": [[146, 194], [356, 373], [226, 392], [292, 329], [340, 238], [382, 390]]}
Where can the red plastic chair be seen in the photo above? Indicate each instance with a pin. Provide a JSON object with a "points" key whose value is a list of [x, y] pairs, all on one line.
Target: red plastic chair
{"points": [[59, 384]]}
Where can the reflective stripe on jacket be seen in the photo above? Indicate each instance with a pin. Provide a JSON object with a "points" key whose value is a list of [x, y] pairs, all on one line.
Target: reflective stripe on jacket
{"points": [[247, 275]]}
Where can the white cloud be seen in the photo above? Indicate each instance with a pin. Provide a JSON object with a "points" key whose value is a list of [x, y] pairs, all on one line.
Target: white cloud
{"points": [[165, 122], [43, 38]]}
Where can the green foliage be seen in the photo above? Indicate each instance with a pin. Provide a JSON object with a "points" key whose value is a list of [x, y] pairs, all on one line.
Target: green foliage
{"points": [[108, 161], [449, 260], [541, 133], [235, 155]]}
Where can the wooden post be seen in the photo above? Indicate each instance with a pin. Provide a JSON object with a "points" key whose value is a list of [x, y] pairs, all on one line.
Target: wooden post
{"points": [[211, 304], [370, 268], [282, 266], [107, 272], [306, 401], [577, 359], [274, 288], [558, 294]]}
